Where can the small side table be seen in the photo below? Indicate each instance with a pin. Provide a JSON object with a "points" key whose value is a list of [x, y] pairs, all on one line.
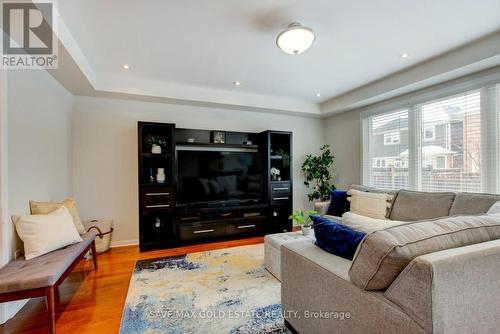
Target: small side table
{"points": [[272, 251]]}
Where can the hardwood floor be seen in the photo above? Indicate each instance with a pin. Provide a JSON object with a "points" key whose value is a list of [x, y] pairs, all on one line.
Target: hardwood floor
{"points": [[92, 301]]}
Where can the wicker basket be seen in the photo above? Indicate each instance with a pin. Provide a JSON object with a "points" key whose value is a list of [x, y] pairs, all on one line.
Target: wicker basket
{"points": [[104, 229]]}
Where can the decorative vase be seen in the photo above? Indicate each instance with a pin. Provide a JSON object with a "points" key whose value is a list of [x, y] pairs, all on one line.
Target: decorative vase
{"points": [[156, 149], [160, 175], [151, 177], [306, 230]]}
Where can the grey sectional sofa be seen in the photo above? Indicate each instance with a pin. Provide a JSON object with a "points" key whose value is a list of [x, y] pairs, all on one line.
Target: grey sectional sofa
{"points": [[454, 290]]}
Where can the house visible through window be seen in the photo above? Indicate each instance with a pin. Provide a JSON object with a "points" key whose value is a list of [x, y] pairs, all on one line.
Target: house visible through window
{"points": [[450, 152], [391, 138], [430, 133], [457, 130], [387, 140], [441, 162]]}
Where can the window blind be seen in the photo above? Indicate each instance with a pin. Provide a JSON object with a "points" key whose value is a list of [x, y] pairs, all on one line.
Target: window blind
{"points": [[450, 144], [446, 144], [388, 140]]}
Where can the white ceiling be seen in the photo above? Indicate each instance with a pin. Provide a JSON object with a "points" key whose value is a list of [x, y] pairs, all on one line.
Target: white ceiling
{"points": [[207, 45]]}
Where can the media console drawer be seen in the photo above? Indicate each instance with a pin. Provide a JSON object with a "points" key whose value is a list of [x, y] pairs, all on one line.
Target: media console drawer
{"points": [[157, 199], [252, 225], [280, 192], [201, 230]]}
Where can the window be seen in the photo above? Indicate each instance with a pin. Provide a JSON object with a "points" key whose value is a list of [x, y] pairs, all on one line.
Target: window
{"points": [[429, 133], [457, 139], [388, 141], [446, 144], [379, 163], [391, 138]]}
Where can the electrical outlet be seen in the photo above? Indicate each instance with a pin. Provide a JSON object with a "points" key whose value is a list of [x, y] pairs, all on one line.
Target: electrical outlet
{"points": [[17, 253]]}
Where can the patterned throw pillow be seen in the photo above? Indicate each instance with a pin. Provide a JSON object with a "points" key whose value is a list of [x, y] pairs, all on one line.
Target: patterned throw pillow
{"points": [[372, 205], [335, 238]]}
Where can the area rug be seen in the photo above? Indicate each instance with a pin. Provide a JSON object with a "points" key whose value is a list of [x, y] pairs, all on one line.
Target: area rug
{"points": [[222, 291]]}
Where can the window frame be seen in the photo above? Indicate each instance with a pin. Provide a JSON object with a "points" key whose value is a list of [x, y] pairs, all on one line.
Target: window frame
{"points": [[485, 81]]}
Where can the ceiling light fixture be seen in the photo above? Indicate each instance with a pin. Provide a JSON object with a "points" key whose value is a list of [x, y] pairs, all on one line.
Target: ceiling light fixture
{"points": [[295, 39], [318, 94], [126, 66], [404, 55], [237, 83]]}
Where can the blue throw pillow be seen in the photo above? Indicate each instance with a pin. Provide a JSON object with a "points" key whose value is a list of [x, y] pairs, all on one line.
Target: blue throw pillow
{"points": [[335, 238], [339, 203]]}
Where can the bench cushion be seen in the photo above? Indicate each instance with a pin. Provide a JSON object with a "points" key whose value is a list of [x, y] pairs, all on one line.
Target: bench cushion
{"points": [[43, 271]]}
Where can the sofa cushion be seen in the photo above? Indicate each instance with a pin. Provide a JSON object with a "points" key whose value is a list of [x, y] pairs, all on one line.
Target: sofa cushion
{"points": [[383, 254], [338, 203], [42, 271], [416, 205], [472, 204], [366, 224], [335, 238]]}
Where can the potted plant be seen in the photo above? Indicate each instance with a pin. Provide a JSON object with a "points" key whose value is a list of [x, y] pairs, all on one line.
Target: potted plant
{"points": [[316, 170], [303, 219], [156, 143]]}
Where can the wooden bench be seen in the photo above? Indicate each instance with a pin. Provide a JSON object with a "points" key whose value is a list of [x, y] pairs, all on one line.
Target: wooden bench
{"points": [[41, 276]]}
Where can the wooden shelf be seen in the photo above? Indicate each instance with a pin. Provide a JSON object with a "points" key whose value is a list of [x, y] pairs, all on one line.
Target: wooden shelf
{"points": [[158, 156], [219, 145], [146, 184]]}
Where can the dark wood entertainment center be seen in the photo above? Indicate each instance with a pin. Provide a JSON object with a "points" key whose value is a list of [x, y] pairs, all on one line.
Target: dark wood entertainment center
{"points": [[165, 223]]}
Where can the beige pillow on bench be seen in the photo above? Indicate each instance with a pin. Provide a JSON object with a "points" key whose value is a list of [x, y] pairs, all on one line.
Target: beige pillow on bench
{"points": [[43, 208], [42, 234]]}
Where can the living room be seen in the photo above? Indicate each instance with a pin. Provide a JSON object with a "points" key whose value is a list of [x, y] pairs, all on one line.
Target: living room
{"points": [[250, 167]]}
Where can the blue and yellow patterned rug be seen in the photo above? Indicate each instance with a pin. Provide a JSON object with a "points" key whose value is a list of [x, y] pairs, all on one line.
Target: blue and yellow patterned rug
{"points": [[223, 291]]}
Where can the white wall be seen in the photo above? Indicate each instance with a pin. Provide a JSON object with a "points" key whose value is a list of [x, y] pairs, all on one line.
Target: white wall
{"points": [[343, 134], [105, 151], [39, 112]]}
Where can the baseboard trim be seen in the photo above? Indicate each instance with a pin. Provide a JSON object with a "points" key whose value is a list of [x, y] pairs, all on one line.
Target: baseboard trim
{"points": [[124, 243]]}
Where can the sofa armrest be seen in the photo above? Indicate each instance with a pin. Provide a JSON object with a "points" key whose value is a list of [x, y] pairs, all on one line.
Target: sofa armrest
{"points": [[452, 291], [321, 207]]}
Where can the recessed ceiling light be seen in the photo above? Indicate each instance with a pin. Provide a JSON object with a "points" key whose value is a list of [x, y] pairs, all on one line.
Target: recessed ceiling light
{"points": [[126, 66], [404, 55], [318, 94], [237, 83]]}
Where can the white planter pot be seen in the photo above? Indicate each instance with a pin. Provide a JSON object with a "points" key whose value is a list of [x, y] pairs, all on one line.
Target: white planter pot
{"points": [[156, 149], [306, 230]]}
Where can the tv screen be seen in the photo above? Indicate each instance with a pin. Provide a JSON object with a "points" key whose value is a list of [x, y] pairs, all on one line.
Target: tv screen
{"points": [[213, 176]]}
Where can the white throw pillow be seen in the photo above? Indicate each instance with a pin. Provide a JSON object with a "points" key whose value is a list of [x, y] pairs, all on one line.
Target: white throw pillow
{"points": [[495, 209], [372, 205], [42, 234], [366, 224]]}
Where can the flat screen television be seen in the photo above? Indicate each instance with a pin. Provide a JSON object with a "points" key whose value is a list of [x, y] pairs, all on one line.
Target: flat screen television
{"points": [[211, 177]]}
